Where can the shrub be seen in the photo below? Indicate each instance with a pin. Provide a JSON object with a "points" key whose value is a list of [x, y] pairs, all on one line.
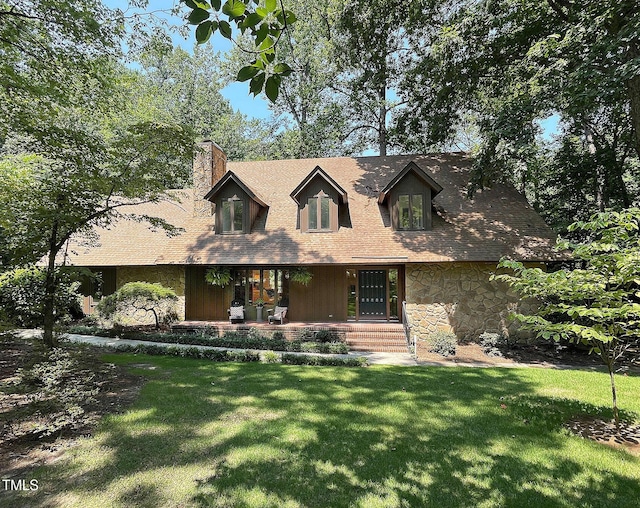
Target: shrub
{"points": [[490, 343], [22, 291], [278, 335], [326, 336], [357, 361], [270, 357], [154, 298], [216, 355], [304, 335], [442, 343], [58, 384]]}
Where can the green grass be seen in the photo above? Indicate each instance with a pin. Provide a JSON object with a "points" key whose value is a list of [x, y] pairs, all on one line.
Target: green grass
{"points": [[209, 434]]}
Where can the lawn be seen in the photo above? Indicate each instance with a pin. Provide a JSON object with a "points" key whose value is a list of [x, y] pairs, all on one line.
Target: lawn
{"points": [[232, 434]]}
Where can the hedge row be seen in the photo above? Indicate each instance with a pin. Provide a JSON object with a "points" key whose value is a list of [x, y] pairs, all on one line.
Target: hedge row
{"points": [[240, 356], [290, 359], [230, 339]]}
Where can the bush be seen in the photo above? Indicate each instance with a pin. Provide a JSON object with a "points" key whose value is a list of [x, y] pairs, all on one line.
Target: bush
{"points": [[140, 296], [57, 384], [216, 355], [326, 336], [357, 361], [21, 296], [490, 343], [442, 343], [232, 339], [270, 357]]}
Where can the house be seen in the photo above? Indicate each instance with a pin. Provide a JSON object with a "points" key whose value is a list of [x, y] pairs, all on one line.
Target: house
{"points": [[372, 231]]}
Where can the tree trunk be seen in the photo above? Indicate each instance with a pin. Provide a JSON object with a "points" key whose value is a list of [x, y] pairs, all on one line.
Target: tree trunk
{"points": [[614, 399], [600, 175], [382, 120], [633, 86], [607, 353], [48, 310]]}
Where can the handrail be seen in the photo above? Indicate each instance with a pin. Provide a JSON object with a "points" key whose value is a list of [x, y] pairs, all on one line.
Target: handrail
{"points": [[407, 327]]}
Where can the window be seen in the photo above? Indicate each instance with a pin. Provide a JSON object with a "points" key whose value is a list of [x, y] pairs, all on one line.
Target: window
{"points": [[319, 208], [232, 210], [410, 211]]}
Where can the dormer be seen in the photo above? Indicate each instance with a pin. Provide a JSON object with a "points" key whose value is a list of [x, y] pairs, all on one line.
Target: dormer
{"points": [[408, 197], [236, 205], [321, 202]]}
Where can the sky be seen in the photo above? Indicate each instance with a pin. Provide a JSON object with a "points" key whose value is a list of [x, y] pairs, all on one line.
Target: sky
{"points": [[237, 93]]}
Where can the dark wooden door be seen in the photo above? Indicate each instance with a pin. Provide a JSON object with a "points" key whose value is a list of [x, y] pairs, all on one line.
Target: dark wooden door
{"points": [[372, 294]]}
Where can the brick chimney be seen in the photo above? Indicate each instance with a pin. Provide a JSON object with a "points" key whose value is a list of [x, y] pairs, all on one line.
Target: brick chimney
{"points": [[209, 165]]}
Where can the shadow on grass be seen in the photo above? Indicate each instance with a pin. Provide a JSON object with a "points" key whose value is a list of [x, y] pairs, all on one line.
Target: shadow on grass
{"points": [[271, 435]]}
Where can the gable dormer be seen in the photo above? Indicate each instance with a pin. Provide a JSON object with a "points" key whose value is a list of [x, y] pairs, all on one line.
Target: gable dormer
{"points": [[408, 197], [236, 205], [320, 200]]}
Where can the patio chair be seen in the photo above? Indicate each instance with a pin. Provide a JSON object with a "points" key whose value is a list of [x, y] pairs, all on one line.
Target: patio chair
{"points": [[236, 313], [279, 314]]}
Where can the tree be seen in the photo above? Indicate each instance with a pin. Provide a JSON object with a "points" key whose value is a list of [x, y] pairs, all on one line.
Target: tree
{"points": [[21, 296], [371, 40], [154, 298], [175, 86], [512, 64], [68, 162], [80, 172], [595, 301], [319, 122], [43, 47]]}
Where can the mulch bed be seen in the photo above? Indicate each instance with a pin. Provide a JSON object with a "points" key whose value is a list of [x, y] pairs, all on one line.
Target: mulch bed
{"points": [[23, 446], [624, 435]]}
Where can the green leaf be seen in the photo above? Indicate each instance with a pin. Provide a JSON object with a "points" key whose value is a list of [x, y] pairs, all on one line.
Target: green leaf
{"points": [[291, 17], [247, 73], [262, 12], [204, 31], [252, 20], [283, 69], [271, 5], [261, 33], [272, 87], [233, 8], [225, 29], [255, 87], [195, 4], [216, 4], [197, 16]]}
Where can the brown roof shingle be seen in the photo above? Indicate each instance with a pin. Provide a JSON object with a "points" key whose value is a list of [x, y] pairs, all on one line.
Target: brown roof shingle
{"points": [[497, 222]]}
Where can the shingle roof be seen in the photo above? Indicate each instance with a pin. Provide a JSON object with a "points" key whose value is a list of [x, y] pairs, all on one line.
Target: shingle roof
{"points": [[497, 222]]}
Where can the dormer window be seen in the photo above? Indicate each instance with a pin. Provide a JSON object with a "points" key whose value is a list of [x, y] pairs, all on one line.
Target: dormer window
{"points": [[410, 211], [408, 198], [319, 210], [232, 213], [322, 203], [236, 205]]}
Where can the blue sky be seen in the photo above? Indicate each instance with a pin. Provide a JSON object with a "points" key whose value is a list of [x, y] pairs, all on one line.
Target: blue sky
{"points": [[236, 93]]}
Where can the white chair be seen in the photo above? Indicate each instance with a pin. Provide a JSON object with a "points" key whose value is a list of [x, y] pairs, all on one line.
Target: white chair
{"points": [[279, 314], [236, 314]]}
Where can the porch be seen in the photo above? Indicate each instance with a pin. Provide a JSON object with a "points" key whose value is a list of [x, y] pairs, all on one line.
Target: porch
{"points": [[373, 336]]}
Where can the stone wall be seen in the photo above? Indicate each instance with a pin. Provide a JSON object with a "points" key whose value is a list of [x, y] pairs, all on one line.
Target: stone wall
{"points": [[169, 276], [209, 166], [458, 297]]}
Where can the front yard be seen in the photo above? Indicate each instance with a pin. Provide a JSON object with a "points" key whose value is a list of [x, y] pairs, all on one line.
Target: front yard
{"points": [[210, 434]]}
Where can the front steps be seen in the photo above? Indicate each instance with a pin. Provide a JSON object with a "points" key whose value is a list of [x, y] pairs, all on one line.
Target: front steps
{"points": [[377, 337]]}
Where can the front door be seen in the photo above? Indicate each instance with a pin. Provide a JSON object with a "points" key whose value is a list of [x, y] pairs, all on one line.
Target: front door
{"points": [[372, 293]]}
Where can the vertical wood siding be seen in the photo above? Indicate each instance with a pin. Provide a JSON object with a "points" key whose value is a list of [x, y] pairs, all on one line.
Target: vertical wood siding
{"points": [[202, 301]]}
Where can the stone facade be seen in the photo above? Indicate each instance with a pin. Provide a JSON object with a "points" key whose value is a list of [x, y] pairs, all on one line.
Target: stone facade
{"points": [[458, 297], [169, 276], [209, 165]]}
